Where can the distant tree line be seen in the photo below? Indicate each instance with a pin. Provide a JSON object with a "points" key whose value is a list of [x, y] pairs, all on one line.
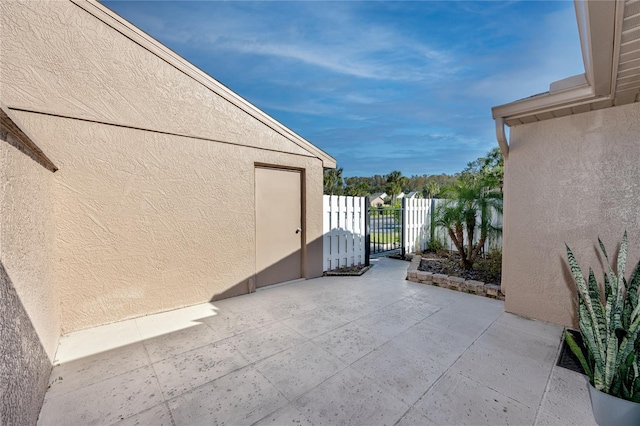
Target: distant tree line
{"points": [[489, 169]]}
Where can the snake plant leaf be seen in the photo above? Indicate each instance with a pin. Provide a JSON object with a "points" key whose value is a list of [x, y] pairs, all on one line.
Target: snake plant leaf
{"points": [[611, 363], [636, 383], [592, 323], [607, 287], [620, 290], [593, 346], [610, 281], [632, 296], [628, 344], [622, 257], [603, 249], [594, 294], [591, 336], [577, 351]]}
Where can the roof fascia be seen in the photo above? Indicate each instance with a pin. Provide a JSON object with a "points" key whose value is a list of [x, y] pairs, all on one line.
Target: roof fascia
{"points": [[115, 21], [544, 102], [599, 26]]}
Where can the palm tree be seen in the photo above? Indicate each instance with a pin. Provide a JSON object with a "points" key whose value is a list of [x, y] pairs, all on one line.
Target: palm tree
{"points": [[359, 189], [332, 180], [431, 189], [395, 182], [468, 207]]}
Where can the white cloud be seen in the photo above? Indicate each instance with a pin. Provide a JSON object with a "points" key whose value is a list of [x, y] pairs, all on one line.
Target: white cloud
{"points": [[331, 38]]}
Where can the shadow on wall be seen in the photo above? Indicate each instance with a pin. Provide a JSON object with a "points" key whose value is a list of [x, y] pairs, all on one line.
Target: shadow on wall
{"points": [[284, 268], [24, 364]]}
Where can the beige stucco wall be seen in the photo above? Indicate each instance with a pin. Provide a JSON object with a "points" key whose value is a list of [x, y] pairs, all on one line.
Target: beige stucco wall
{"points": [[570, 180], [29, 302], [154, 198], [147, 222], [64, 61], [27, 237]]}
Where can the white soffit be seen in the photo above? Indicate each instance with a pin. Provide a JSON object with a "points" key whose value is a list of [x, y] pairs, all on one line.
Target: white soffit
{"points": [[610, 40]]}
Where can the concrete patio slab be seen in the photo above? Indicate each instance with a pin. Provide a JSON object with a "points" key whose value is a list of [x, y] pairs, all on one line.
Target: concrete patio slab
{"points": [[180, 341], [183, 372], [566, 401], [299, 369], [351, 398], [288, 415], [104, 402], [405, 373], [262, 342], [504, 355], [350, 342], [242, 397], [458, 400], [370, 350], [314, 323]]}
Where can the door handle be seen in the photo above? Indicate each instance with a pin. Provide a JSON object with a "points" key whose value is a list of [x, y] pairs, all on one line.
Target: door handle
{"points": [[298, 230]]}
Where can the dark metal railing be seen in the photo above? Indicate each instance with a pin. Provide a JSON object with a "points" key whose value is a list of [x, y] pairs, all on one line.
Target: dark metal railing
{"points": [[383, 229]]}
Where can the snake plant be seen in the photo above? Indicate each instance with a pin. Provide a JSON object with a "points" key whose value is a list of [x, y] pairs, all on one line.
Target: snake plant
{"points": [[610, 330]]}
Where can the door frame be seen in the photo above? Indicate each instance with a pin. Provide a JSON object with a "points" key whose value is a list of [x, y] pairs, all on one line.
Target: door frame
{"points": [[303, 214]]}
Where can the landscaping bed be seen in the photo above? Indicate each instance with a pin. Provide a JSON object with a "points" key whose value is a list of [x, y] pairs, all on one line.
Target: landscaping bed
{"points": [[487, 269], [348, 271], [442, 270]]}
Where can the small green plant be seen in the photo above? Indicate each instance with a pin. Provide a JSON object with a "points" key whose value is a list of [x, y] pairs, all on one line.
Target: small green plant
{"points": [[491, 265], [435, 245], [610, 330]]}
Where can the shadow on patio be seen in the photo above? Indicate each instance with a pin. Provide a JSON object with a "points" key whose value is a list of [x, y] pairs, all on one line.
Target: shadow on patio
{"points": [[369, 350]]}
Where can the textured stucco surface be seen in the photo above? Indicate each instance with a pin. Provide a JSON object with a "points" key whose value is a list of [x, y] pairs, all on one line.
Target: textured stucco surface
{"points": [[147, 222], [149, 218], [29, 303], [27, 237], [24, 364], [66, 62], [570, 180]]}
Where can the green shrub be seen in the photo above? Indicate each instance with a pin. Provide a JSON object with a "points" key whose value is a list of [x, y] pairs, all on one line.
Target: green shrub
{"points": [[435, 245], [492, 265]]}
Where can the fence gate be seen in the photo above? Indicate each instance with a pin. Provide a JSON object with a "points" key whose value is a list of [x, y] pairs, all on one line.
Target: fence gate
{"points": [[384, 228], [354, 230]]}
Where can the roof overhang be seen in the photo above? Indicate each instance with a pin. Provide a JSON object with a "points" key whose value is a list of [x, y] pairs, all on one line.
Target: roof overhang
{"points": [[610, 39]]}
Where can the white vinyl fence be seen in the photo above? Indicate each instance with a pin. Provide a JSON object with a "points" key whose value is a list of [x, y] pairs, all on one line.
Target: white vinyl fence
{"points": [[344, 239], [416, 221], [344, 231]]}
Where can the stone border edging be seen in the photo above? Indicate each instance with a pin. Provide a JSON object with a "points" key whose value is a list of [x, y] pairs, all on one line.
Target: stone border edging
{"points": [[453, 283]]}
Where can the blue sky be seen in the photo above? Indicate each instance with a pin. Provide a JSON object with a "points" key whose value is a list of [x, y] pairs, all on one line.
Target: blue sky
{"points": [[380, 86]]}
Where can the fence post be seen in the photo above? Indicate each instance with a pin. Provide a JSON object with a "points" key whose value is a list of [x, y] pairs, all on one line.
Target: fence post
{"points": [[404, 222], [432, 225], [367, 236]]}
